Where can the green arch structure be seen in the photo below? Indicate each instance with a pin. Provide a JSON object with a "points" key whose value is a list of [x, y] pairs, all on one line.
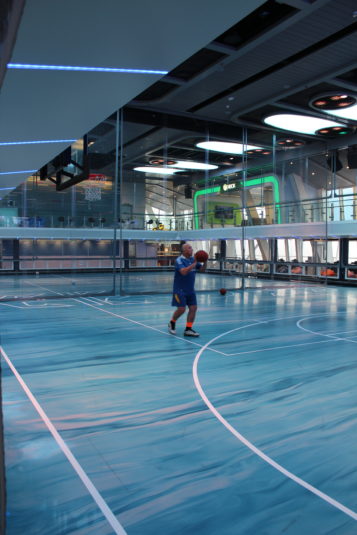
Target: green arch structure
{"points": [[247, 184]]}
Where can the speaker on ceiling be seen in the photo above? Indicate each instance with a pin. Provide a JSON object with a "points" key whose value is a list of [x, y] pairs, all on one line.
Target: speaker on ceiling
{"points": [[337, 163], [352, 157], [188, 192]]}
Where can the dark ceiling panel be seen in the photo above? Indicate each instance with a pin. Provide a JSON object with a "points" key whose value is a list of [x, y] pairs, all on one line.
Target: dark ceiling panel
{"points": [[259, 21], [302, 54], [350, 76], [101, 129], [197, 63], [156, 91]]}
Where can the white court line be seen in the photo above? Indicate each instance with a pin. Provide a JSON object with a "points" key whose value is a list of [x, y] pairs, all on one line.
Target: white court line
{"points": [[93, 300], [276, 347], [146, 326], [253, 448], [128, 319], [329, 336], [343, 332], [280, 347], [115, 524]]}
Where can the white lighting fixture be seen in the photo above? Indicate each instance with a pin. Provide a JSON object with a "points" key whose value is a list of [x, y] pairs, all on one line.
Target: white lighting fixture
{"points": [[156, 170], [304, 124], [346, 113], [194, 165], [225, 147]]}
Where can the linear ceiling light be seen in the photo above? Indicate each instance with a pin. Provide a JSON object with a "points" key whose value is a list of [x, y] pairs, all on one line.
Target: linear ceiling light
{"points": [[156, 170], [9, 143], [194, 165], [3, 189], [77, 68], [304, 124], [225, 147], [29, 172]]}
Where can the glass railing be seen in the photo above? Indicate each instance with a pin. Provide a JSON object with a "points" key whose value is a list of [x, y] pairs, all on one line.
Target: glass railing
{"points": [[309, 211]]}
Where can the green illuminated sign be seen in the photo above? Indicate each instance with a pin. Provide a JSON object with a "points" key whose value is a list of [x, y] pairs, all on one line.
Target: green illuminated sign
{"points": [[234, 185]]}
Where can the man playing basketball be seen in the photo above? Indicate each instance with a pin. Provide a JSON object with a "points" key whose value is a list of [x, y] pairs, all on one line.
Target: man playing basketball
{"points": [[184, 289]]}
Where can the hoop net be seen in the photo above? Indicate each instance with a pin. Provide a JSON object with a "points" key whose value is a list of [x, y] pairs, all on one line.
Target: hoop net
{"points": [[93, 187]]}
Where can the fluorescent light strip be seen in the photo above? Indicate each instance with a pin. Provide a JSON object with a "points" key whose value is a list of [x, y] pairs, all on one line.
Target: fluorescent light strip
{"points": [[28, 171], [9, 143], [3, 189], [85, 69]]}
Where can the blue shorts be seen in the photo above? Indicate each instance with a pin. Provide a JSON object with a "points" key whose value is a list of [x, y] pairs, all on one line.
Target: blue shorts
{"points": [[181, 299]]}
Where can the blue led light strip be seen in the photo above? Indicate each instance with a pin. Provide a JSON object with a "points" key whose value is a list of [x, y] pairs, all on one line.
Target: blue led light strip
{"points": [[28, 171], [87, 69], [3, 189], [7, 143]]}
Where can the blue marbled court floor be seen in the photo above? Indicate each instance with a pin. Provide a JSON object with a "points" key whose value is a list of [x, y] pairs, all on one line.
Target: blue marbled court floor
{"points": [[29, 286], [250, 429]]}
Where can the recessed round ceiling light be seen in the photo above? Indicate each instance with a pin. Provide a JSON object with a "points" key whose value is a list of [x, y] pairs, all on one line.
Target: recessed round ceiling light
{"points": [[183, 164], [258, 152], [332, 131], [304, 124], [332, 101], [225, 147], [338, 104], [290, 143], [161, 161], [156, 170]]}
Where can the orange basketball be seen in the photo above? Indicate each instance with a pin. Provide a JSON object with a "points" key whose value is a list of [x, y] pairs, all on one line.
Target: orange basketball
{"points": [[201, 256], [223, 291]]}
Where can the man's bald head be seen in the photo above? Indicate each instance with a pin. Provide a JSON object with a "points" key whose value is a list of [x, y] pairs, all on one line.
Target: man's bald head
{"points": [[186, 250]]}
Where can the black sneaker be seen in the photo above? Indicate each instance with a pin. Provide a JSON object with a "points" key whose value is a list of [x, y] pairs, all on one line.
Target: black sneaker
{"points": [[190, 332], [172, 327]]}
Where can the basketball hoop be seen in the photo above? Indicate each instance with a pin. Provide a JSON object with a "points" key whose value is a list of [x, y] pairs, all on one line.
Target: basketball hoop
{"points": [[93, 187]]}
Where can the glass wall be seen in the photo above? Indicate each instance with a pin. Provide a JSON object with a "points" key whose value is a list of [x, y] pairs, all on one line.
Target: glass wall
{"points": [[57, 231], [110, 216]]}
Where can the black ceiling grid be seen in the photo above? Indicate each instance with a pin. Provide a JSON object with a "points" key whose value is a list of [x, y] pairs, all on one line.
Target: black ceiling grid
{"points": [[351, 29]]}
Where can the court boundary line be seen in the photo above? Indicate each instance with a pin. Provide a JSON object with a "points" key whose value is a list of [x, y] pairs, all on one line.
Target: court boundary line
{"points": [[97, 497], [251, 446]]}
